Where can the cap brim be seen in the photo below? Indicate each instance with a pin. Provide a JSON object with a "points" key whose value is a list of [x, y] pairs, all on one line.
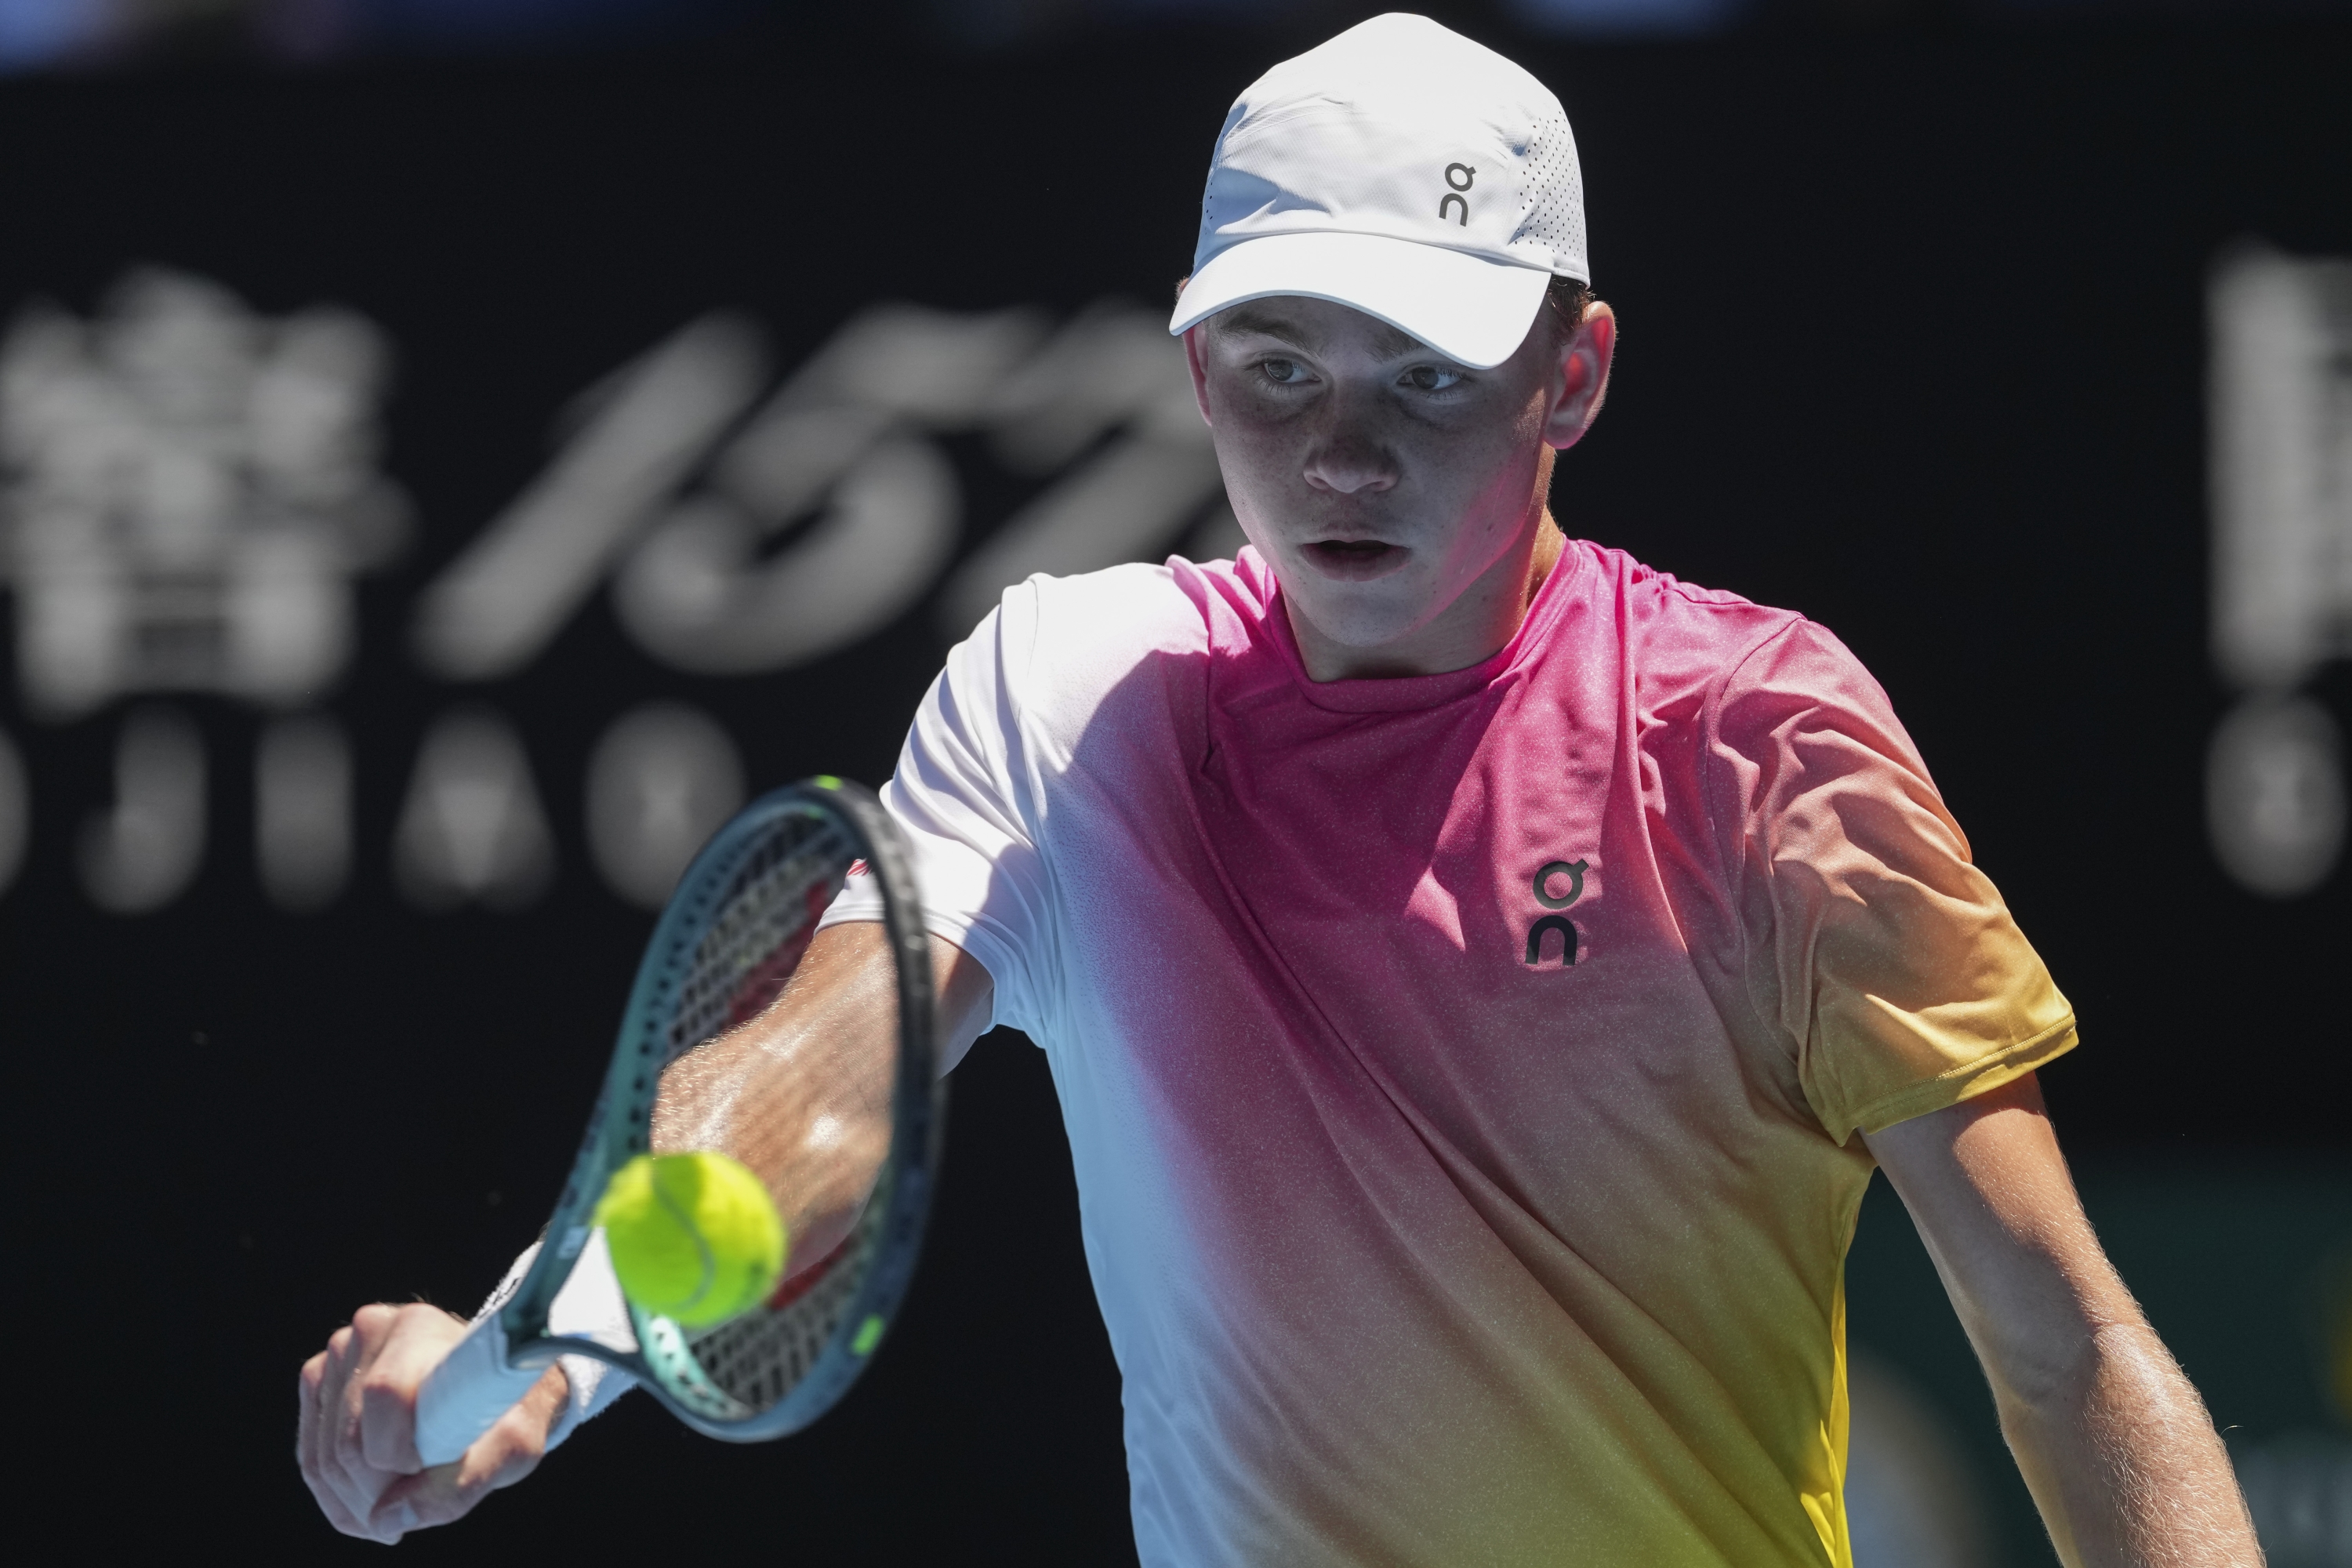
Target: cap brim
{"points": [[1472, 310]]}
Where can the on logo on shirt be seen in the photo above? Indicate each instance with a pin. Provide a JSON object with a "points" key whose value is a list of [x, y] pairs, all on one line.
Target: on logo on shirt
{"points": [[1573, 872]]}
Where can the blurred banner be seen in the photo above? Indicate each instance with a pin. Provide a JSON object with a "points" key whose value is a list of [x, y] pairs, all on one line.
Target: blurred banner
{"points": [[194, 488], [2281, 472], [82, 34], [434, 494]]}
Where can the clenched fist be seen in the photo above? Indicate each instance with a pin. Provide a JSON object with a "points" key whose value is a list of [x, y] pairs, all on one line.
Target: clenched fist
{"points": [[357, 1442]]}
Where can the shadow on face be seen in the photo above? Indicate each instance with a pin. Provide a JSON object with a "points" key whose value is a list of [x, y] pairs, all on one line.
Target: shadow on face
{"points": [[1382, 481]]}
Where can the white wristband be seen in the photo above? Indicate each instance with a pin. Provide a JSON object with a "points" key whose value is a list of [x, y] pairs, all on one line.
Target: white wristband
{"points": [[588, 1307]]}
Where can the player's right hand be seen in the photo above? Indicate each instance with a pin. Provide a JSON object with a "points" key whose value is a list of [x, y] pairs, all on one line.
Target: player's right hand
{"points": [[357, 1436]]}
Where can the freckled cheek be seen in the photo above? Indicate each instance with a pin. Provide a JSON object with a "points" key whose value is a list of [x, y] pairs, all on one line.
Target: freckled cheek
{"points": [[1475, 482], [1257, 458], [1505, 450]]}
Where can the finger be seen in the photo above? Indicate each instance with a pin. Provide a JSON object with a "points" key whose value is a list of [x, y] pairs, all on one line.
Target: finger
{"points": [[414, 1503], [346, 1490], [446, 1492], [305, 1410], [510, 1450], [309, 1388], [343, 1461], [517, 1441], [415, 1344], [323, 1466]]}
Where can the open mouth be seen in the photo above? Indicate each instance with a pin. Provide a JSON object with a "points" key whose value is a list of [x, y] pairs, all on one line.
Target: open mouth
{"points": [[1355, 557]]}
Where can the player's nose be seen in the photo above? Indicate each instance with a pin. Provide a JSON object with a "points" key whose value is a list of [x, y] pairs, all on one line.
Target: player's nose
{"points": [[1347, 462]]}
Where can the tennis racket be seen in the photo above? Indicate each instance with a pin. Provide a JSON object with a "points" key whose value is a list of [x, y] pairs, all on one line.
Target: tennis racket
{"points": [[725, 945]]}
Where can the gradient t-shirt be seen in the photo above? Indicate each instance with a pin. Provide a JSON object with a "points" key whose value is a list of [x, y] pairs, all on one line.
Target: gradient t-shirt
{"points": [[1461, 1071]]}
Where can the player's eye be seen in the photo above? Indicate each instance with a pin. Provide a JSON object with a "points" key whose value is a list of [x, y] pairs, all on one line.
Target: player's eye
{"points": [[1431, 378], [1282, 372]]}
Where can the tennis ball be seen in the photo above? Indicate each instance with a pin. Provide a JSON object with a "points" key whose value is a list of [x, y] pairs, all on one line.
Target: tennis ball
{"points": [[694, 1237]]}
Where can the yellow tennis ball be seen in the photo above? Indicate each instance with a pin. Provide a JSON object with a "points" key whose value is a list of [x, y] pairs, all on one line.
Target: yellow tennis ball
{"points": [[694, 1237]]}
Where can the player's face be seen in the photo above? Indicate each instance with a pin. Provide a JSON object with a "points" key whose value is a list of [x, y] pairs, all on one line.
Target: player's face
{"points": [[1397, 495]]}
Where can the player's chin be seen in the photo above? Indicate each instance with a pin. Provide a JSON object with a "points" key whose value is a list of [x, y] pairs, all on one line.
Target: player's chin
{"points": [[1365, 616]]}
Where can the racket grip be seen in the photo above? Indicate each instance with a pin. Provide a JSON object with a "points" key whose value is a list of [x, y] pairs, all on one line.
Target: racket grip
{"points": [[463, 1396]]}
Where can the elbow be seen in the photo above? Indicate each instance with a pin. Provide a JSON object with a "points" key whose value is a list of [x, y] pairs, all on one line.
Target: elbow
{"points": [[2044, 1374], [2048, 1372]]}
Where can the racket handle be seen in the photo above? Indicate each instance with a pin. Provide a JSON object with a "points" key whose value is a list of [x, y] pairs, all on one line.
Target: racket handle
{"points": [[465, 1395]]}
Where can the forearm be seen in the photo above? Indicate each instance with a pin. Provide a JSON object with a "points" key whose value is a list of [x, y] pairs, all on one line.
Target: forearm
{"points": [[2124, 1462], [2113, 1442], [801, 1094]]}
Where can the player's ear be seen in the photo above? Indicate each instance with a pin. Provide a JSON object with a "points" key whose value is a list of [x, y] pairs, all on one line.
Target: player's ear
{"points": [[1581, 376], [1193, 352]]}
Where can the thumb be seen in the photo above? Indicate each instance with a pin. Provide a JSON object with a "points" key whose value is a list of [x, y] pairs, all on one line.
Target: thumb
{"points": [[444, 1493], [500, 1457]]}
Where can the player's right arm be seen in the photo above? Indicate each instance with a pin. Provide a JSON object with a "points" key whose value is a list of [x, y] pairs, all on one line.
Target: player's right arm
{"points": [[801, 1095], [2112, 1439], [826, 1049]]}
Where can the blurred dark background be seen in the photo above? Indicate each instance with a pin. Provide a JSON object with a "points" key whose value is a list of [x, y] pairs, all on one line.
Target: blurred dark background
{"points": [[314, 927]]}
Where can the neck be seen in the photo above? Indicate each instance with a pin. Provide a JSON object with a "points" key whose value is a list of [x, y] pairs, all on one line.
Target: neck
{"points": [[1469, 631]]}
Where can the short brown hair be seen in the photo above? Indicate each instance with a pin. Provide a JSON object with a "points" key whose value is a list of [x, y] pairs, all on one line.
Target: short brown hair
{"points": [[1567, 298]]}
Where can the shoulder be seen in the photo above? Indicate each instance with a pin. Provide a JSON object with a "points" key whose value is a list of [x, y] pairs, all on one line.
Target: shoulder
{"points": [[1739, 670], [1061, 644], [1671, 609], [1136, 602], [1125, 613], [1679, 639], [1800, 704]]}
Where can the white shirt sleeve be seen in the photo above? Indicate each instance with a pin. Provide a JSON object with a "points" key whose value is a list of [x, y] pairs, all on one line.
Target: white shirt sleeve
{"points": [[967, 796]]}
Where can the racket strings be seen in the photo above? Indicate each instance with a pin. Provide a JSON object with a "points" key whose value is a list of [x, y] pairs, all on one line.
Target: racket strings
{"points": [[767, 913], [760, 1358]]}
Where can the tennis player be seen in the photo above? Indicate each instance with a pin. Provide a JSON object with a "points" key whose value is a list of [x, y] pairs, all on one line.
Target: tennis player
{"points": [[1480, 973]]}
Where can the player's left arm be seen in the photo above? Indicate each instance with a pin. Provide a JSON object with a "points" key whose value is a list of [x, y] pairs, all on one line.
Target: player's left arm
{"points": [[2112, 1439]]}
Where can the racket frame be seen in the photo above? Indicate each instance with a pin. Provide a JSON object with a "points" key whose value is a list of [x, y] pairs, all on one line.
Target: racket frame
{"points": [[621, 1128]]}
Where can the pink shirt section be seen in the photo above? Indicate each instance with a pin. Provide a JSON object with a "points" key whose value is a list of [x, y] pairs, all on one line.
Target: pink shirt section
{"points": [[1462, 1070]]}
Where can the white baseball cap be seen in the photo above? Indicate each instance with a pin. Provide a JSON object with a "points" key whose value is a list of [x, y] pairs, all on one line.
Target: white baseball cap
{"points": [[1404, 170]]}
